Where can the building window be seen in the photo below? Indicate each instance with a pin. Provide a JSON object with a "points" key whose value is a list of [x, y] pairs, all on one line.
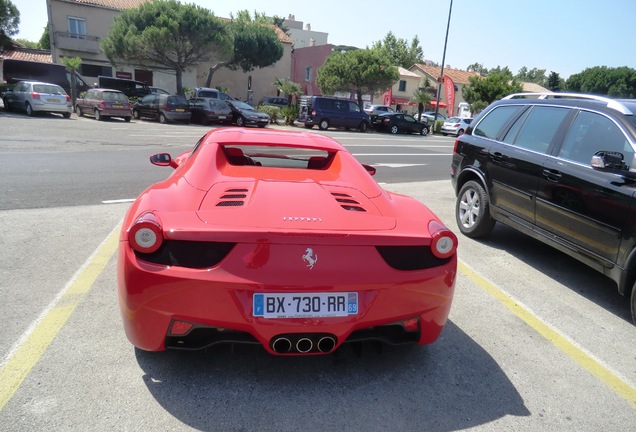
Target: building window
{"points": [[76, 27], [402, 86], [95, 70], [308, 73]]}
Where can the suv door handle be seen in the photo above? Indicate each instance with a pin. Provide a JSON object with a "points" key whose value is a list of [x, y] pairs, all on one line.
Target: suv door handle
{"points": [[552, 175], [496, 156]]}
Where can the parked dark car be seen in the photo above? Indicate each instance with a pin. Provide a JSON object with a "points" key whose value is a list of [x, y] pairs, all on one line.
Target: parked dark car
{"points": [[277, 101], [165, 108], [329, 112], [33, 97], [129, 87], [399, 123], [103, 104], [244, 114], [208, 110], [559, 167]]}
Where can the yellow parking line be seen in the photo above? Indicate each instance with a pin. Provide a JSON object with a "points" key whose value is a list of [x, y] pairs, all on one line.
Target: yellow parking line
{"points": [[614, 382], [18, 366]]}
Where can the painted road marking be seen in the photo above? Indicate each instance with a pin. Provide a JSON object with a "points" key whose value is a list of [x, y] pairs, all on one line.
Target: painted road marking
{"points": [[592, 365], [34, 342]]}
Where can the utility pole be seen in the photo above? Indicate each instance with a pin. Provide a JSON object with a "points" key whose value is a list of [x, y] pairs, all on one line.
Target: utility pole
{"points": [[440, 79]]}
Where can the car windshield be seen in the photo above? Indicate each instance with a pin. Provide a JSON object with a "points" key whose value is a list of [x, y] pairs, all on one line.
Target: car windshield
{"points": [[454, 120], [208, 94], [48, 89], [278, 156], [242, 105]]}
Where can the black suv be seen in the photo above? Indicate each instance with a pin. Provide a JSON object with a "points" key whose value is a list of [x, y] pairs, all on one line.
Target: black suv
{"points": [[559, 167]]}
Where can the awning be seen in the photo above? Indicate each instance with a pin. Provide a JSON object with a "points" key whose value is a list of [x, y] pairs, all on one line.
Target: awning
{"points": [[434, 103], [402, 101]]}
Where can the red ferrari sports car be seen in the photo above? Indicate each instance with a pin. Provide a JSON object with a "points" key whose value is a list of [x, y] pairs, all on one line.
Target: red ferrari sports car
{"points": [[282, 239]]}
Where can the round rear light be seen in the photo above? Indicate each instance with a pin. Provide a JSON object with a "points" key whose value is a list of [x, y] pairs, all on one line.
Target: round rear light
{"points": [[443, 242], [145, 235]]}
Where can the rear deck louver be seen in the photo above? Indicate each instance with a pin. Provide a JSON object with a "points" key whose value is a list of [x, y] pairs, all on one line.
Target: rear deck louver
{"points": [[347, 202], [232, 198]]}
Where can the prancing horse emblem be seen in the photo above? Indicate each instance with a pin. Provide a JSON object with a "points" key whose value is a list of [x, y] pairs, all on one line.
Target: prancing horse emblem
{"points": [[310, 258]]}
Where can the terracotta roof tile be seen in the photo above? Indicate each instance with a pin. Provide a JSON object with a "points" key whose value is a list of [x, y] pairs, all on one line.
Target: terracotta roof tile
{"points": [[41, 56], [113, 4], [458, 76]]}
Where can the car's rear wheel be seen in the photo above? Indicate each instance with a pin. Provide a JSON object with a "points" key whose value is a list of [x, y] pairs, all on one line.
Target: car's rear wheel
{"points": [[324, 124], [472, 210], [127, 119], [240, 121], [162, 118], [633, 303], [6, 105], [308, 126], [363, 126], [460, 132], [78, 111], [29, 109], [67, 115], [424, 131], [394, 129], [135, 114], [98, 116]]}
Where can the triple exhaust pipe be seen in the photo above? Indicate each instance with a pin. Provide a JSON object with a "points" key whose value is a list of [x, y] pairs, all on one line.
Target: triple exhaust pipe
{"points": [[303, 343]]}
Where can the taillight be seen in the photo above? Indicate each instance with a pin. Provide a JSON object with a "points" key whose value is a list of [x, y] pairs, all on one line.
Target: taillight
{"points": [[102, 105], [68, 98], [387, 120], [313, 113], [167, 108], [456, 145], [145, 235], [443, 240], [35, 95]]}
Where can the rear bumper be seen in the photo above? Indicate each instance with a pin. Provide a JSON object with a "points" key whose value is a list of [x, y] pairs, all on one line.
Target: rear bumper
{"points": [[219, 303]]}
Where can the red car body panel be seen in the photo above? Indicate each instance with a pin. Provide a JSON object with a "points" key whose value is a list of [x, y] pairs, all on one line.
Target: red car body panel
{"points": [[265, 235]]}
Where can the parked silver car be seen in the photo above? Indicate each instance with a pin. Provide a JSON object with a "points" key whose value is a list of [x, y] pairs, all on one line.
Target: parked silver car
{"points": [[35, 96], [455, 126]]}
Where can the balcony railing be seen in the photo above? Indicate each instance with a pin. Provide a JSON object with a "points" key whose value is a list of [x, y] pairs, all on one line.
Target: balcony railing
{"points": [[77, 42]]}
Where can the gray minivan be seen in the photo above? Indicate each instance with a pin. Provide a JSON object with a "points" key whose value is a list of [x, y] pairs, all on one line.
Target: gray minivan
{"points": [[329, 112]]}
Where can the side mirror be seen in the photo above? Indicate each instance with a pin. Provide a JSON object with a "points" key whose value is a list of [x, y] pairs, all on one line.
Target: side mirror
{"points": [[163, 159], [607, 160], [371, 170]]}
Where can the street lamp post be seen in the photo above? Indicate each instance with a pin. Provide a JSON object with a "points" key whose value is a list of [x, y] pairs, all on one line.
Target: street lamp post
{"points": [[440, 80]]}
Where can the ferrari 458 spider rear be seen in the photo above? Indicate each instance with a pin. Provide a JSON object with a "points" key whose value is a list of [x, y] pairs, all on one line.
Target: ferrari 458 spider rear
{"points": [[281, 239]]}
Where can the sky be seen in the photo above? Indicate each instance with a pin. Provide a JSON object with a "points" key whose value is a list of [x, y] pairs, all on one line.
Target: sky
{"points": [[559, 36]]}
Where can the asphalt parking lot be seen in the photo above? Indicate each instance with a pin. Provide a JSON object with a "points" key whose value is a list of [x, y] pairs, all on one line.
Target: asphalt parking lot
{"points": [[535, 341]]}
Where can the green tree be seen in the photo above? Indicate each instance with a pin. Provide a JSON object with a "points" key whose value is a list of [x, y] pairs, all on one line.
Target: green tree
{"points": [[617, 82], [501, 71], [554, 82], [481, 92], [167, 34], [256, 45], [28, 43], [477, 68], [533, 75], [45, 42], [9, 20], [289, 88], [361, 71], [72, 66], [399, 51], [422, 97]]}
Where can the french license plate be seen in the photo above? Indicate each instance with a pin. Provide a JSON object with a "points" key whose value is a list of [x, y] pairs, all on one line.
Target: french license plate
{"points": [[305, 305], [56, 100], [180, 110], [118, 106], [221, 117]]}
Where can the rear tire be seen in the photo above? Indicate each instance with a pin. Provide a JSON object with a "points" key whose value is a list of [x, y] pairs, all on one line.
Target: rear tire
{"points": [[29, 110], [460, 132], [6, 105], [309, 126], [424, 131], [472, 211], [323, 125], [98, 116], [162, 118], [135, 114], [67, 115], [127, 119]]}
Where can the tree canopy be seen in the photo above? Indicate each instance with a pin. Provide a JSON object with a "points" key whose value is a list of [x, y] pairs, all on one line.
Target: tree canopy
{"points": [[167, 34], [9, 20], [617, 82], [399, 51], [361, 71], [481, 92], [255, 44], [533, 75]]}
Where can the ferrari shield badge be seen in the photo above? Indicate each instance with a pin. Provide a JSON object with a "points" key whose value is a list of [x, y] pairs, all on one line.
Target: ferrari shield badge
{"points": [[310, 258]]}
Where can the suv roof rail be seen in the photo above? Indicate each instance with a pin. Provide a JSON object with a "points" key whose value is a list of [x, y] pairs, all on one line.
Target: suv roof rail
{"points": [[611, 103]]}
